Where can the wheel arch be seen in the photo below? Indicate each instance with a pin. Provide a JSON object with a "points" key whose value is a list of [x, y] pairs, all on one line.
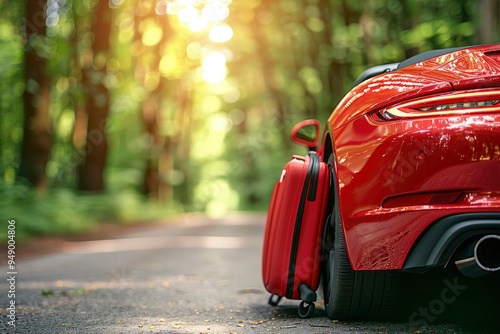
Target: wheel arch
{"points": [[327, 146], [329, 149]]}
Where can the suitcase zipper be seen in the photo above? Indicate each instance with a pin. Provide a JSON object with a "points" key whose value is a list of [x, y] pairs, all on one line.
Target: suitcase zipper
{"points": [[314, 178]]}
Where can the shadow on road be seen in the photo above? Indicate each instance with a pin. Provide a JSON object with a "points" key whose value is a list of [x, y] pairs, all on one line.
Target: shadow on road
{"points": [[447, 297]]}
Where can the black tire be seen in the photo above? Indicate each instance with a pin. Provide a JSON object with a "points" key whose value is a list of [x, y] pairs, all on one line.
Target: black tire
{"points": [[349, 294]]}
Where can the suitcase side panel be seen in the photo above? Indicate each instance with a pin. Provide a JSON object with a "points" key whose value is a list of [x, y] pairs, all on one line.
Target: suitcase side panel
{"points": [[311, 176], [308, 261], [280, 224]]}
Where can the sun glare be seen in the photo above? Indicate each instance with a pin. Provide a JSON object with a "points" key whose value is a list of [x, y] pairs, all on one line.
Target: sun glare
{"points": [[198, 24], [199, 16], [172, 7], [220, 33], [214, 68], [188, 2], [152, 35], [215, 11], [187, 14]]}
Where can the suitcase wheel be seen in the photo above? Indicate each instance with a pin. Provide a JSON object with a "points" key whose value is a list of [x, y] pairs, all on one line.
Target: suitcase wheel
{"points": [[308, 296], [306, 310], [274, 300]]}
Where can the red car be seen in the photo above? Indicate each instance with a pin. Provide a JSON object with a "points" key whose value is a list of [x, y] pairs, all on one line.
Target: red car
{"points": [[414, 150]]}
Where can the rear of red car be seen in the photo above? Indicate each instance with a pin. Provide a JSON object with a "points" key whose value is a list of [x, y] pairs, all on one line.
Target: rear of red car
{"points": [[415, 157], [412, 147]]}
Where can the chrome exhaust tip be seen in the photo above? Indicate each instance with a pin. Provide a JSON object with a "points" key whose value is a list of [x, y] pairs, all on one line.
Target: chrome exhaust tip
{"points": [[480, 258]]}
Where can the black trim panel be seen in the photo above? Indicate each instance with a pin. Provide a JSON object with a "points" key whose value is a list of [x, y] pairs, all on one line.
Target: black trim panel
{"points": [[374, 71], [436, 245], [418, 58]]}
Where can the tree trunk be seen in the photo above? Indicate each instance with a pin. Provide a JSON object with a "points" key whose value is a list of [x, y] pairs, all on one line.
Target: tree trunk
{"points": [[408, 23], [146, 65], [267, 67], [486, 26], [36, 143], [331, 89], [97, 102], [150, 116]]}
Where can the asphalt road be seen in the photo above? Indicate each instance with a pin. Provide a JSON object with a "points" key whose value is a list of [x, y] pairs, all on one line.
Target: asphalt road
{"points": [[197, 275]]}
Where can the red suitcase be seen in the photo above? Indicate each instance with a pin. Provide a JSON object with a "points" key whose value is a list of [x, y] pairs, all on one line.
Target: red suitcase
{"points": [[293, 233]]}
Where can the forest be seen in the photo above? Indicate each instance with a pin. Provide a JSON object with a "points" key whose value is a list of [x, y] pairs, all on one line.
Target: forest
{"points": [[130, 110]]}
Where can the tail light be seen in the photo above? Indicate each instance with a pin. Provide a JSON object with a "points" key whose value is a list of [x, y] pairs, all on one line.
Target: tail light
{"points": [[469, 102]]}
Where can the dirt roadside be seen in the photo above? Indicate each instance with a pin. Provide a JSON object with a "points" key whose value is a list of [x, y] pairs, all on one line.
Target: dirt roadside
{"points": [[42, 245]]}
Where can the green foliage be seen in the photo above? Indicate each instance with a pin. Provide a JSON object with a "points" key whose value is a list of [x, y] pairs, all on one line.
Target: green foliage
{"points": [[11, 90], [61, 211]]}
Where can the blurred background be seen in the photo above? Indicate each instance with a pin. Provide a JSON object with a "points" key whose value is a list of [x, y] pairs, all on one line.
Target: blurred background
{"points": [[132, 110]]}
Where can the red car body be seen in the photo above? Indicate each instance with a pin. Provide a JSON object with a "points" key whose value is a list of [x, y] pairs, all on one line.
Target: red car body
{"points": [[413, 147]]}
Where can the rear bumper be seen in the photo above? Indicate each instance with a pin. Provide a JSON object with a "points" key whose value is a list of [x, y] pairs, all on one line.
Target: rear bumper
{"points": [[441, 240]]}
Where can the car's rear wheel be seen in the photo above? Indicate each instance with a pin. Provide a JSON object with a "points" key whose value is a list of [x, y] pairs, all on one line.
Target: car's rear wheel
{"points": [[349, 294]]}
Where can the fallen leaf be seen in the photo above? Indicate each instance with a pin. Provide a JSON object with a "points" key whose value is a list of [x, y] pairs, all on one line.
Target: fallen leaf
{"points": [[47, 292], [80, 291]]}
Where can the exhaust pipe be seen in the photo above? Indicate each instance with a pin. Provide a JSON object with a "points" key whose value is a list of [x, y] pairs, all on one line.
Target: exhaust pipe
{"points": [[481, 258]]}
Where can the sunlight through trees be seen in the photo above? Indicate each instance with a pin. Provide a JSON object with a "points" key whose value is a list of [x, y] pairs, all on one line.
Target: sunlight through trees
{"points": [[189, 102]]}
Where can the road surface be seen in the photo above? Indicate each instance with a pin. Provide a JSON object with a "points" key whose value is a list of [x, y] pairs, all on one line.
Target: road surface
{"points": [[195, 275]]}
